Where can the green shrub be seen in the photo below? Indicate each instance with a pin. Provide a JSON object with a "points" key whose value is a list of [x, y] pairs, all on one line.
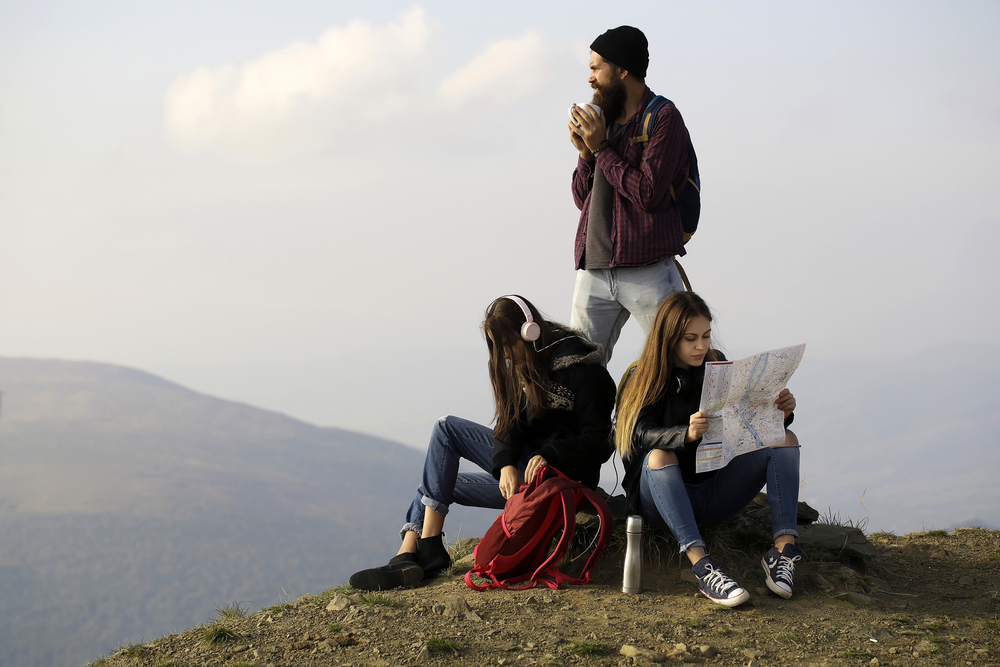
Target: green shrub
{"points": [[439, 645], [217, 633], [231, 610], [590, 648]]}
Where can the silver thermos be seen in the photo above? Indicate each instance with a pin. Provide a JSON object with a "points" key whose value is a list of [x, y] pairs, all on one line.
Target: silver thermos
{"points": [[632, 581]]}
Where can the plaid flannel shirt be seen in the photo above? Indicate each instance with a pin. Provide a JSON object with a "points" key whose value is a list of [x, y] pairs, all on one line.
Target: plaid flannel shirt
{"points": [[646, 223]]}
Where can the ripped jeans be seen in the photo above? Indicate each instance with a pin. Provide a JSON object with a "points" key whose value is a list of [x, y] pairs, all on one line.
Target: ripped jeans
{"points": [[665, 501]]}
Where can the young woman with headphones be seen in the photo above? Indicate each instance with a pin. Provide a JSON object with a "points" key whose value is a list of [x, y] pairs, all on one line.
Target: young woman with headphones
{"points": [[553, 400], [658, 431]]}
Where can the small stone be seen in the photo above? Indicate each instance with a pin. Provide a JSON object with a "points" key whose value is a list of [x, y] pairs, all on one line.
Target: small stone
{"points": [[707, 651], [239, 648], [874, 662], [967, 580], [338, 603], [752, 653], [438, 609], [456, 607], [344, 640], [753, 663], [424, 655], [505, 646], [637, 653]]}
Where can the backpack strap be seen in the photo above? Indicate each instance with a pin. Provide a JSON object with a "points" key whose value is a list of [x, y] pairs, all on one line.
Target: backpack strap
{"points": [[680, 269], [652, 111], [604, 537], [568, 499]]}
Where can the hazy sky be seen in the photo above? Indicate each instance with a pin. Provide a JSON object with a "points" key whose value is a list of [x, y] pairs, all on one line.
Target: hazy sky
{"points": [[223, 182]]}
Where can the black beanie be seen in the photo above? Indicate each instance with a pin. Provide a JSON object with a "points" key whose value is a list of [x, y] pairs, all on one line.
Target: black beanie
{"points": [[626, 47]]}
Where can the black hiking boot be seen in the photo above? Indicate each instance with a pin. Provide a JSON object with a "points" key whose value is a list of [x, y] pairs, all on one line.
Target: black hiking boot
{"points": [[401, 570], [432, 555]]}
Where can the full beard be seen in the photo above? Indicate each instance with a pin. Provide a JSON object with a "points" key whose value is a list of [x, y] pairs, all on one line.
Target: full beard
{"points": [[611, 99]]}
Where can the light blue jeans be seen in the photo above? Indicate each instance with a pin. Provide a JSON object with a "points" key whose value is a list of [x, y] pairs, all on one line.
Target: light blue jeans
{"points": [[453, 439], [665, 501], [603, 299]]}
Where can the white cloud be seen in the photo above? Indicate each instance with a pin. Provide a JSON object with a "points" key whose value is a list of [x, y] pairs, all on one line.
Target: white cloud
{"points": [[282, 100], [505, 72], [308, 96]]}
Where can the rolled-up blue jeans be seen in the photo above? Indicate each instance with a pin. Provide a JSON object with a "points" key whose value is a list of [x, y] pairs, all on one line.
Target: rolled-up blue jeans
{"points": [[603, 299], [665, 501], [453, 439]]}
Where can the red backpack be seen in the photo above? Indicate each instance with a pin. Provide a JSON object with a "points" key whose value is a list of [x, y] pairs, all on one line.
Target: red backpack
{"points": [[516, 546]]}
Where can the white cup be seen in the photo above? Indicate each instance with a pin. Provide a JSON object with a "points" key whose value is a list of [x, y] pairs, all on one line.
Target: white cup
{"points": [[583, 107]]}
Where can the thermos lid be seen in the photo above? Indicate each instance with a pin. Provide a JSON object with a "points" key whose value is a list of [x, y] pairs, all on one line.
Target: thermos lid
{"points": [[634, 524]]}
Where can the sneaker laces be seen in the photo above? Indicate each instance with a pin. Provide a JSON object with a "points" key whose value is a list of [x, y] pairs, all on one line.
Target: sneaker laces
{"points": [[717, 580], [786, 567]]}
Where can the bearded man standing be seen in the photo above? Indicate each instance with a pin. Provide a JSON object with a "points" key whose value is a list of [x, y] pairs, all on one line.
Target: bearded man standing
{"points": [[630, 225]]}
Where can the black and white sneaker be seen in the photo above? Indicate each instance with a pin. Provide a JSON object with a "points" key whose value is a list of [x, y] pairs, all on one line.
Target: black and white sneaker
{"points": [[779, 568], [402, 570], [716, 586]]}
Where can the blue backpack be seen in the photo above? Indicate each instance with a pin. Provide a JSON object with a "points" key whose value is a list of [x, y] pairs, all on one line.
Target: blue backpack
{"points": [[689, 201]]}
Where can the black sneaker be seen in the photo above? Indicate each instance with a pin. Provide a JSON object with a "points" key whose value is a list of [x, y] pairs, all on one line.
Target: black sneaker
{"points": [[779, 568], [716, 586], [401, 570]]}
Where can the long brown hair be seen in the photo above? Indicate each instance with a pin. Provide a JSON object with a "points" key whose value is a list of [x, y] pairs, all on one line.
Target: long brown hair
{"points": [[521, 381], [648, 383]]}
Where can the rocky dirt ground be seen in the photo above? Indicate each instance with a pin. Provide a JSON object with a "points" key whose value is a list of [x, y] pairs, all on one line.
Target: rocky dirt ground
{"points": [[921, 599]]}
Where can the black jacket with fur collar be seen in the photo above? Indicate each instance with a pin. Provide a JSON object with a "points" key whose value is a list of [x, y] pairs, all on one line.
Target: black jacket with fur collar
{"points": [[573, 433]]}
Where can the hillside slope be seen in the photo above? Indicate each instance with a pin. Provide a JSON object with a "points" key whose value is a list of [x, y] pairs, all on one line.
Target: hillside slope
{"points": [[129, 504], [921, 599]]}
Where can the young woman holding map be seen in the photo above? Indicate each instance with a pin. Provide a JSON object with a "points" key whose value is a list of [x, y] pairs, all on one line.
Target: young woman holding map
{"points": [[658, 432]]}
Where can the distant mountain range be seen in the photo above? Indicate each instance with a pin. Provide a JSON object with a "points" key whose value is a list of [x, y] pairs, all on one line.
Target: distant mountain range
{"points": [[131, 506]]}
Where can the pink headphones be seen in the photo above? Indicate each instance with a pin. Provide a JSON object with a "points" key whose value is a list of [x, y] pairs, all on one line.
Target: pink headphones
{"points": [[530, 331]]}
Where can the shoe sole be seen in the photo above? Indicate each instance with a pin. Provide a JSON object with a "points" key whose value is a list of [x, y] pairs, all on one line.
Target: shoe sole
{"points": [[381, 579], [728, 602], [771, 584]]}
